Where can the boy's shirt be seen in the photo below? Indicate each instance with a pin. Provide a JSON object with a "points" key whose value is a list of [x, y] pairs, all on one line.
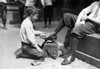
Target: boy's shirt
{"points": [[27, 32]]}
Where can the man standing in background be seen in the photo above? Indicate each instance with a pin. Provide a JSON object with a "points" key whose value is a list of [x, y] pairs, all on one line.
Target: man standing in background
{"points": [[48, 11], [23, 4]]}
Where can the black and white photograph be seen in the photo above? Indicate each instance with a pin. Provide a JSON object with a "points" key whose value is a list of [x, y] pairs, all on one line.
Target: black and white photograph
{"points": [[49, 34]]}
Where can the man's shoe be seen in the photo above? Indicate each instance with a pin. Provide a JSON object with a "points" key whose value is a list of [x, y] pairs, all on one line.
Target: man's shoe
{"points": [[68, 61]]}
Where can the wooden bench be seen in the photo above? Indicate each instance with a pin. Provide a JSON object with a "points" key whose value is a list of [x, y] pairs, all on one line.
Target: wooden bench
{"points": [[89, 49]]}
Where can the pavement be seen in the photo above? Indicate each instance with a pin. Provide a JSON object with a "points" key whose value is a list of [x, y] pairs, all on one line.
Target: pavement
{"points": [[10, 42]]}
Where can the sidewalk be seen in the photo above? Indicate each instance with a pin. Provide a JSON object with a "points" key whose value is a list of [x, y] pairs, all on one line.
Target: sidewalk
{"points": [[10, 42]]}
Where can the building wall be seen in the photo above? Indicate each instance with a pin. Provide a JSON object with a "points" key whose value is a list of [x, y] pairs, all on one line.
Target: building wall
{"points": [[76, 5]]}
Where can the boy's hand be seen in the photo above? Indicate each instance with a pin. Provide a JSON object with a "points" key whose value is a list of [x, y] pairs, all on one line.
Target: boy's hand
{"points": [[52, 35], [44, 35]]}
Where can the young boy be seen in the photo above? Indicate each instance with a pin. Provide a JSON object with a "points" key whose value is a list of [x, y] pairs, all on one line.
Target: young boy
{"points": [[27, 33]]}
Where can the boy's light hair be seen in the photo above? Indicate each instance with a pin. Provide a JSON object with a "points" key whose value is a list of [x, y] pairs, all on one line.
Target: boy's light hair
{"points": [[31, 10]]}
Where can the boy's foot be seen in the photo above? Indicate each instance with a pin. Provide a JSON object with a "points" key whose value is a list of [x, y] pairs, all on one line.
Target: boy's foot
{"points": [[18, 56], [42, 59]]}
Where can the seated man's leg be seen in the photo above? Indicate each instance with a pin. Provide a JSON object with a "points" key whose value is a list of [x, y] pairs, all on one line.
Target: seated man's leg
{"points": [[68, 20], [78, 32]]}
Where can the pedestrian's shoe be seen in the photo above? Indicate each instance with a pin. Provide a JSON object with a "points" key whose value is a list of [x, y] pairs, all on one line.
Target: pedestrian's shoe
{"points": [[45, 26], [68, 60], [49, 26], [5, 28]]}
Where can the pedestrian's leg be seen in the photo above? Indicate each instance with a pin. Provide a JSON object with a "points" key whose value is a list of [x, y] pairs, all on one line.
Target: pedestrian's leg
{"points": [[45, 22], [66, 44], [50, 15], [45, 16], [21, 11], [3, 15], [50, 18], [68, 21], [24, 14]]}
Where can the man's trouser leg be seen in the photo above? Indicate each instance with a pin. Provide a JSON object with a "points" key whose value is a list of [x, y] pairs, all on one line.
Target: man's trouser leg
{"points": [[68, 21], [50, 11]]}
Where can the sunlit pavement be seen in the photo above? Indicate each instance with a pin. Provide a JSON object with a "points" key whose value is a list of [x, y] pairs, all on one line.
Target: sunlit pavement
{"points": [[10, 42]]}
